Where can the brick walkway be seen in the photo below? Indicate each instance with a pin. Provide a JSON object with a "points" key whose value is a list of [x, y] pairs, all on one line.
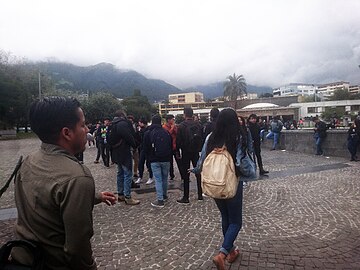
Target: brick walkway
{"points": [[305, 215]]}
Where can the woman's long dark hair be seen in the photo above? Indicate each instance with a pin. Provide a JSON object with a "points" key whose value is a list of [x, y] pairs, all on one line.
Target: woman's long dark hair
{"points": [[226, 132]]}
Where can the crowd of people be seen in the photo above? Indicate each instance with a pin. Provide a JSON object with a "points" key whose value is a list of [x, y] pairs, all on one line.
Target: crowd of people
{"points": [[55, 192]]}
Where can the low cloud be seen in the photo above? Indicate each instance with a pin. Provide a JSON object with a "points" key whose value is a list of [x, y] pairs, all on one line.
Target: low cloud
{"points": [[193, 42]]}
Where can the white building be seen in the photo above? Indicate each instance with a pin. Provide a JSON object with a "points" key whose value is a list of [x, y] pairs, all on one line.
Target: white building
{"points": [[191, 97], [311, 109], [354, 89], [292, 89], [327, 90]]}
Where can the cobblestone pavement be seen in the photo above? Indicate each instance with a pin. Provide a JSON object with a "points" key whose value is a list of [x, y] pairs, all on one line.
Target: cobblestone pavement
{"points": [[305, 215]]}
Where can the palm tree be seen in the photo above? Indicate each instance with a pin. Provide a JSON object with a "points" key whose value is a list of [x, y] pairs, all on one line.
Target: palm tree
{"points": [[234, 87]]}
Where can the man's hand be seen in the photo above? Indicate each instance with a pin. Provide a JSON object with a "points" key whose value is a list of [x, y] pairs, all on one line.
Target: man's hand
{"points": [[108, 198]]}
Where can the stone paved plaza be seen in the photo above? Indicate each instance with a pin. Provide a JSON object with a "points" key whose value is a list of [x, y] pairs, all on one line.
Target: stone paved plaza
{"points": [[305, 215]]}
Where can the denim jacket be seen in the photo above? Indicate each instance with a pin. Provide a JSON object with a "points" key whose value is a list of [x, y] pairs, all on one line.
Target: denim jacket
{"points": [[239, 153]]}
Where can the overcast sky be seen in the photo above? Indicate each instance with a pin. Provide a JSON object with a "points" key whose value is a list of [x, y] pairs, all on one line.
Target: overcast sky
{"points": [[190, 42]]}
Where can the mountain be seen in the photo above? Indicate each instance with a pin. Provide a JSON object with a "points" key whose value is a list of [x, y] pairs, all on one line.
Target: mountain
{"points": [[214, 90], [105, 77]]}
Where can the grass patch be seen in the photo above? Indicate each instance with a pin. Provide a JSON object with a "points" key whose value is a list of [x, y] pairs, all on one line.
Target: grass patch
{"points": [[23, 135]]}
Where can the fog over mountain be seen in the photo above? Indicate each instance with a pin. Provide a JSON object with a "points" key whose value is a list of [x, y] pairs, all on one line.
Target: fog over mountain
{"points": [[188, 43]]}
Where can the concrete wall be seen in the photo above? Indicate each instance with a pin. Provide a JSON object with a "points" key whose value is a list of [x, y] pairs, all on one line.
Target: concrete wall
{"points": [[8, 134], [301, 140]]}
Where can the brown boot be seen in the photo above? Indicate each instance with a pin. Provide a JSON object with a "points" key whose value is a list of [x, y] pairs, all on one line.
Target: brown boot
{"points": [[121, 198], [219, 261], [131, 201], [233, 255]]}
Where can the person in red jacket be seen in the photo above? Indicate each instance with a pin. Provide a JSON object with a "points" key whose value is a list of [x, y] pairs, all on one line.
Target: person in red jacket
{"points": [[172, 129]]}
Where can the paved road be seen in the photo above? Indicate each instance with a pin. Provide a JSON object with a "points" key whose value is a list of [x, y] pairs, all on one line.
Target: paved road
{"points": [[305, 215]]}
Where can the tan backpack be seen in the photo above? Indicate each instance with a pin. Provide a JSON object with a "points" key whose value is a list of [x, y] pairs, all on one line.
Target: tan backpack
{"points": [[218, 177]]}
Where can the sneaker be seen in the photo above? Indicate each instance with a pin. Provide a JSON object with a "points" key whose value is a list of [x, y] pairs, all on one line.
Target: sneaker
{"points": [[262, 172], [134, 185], [158, 203], [166, 198], [183, 201], [204, 195], [150, 181], [131, 201], [200, 198], [96, 161], [138, 181], [121, 198]]}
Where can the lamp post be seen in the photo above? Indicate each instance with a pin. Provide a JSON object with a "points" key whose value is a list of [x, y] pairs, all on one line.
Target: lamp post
{"points": [[39, 87]]}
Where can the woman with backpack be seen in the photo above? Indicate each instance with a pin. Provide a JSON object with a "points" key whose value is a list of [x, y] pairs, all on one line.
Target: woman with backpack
{"points": [[226, 136]]}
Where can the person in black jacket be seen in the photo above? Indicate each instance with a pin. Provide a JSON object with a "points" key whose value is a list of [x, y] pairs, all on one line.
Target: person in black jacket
{"points": [[255, 134], [320, 135], [354, 139], [158, 150], [121, 155], [189, 141], [210, 126]]}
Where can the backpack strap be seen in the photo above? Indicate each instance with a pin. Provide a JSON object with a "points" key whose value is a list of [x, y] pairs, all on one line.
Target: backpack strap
{"points": [[13, 175]]}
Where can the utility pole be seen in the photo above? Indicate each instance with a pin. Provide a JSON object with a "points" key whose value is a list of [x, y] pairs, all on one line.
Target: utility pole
{"points": [[39, 86]]}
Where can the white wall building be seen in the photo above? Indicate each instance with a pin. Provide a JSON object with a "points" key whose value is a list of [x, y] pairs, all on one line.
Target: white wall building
{"points": [[327, 90], [186, 97], [354, 89], [311, 109], [292, 89]]}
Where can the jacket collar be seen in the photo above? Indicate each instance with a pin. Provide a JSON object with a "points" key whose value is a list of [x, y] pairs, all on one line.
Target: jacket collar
{"points": [[53, 149]]}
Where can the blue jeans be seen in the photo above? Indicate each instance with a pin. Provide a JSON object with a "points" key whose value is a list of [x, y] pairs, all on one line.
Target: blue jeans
{"points": [[161, 173], [124, 179], [274, 135], [231, 219], [318, 142]]}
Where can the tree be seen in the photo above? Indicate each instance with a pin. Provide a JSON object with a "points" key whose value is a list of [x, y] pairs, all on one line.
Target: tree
{"points": [[234, 87], [340, 94], [100, 105], [266, 95], [19, 87], [138, 106]]}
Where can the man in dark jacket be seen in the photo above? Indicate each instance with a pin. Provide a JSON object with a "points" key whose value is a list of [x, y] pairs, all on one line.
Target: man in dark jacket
{"points": [[255, 134], [189, 143], [319, 136], [158, 150], [210, 125], [124, 136]]}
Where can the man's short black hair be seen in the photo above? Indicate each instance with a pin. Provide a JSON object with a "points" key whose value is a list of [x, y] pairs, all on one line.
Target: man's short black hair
{"points": [[253, 115], [188, 112], [169, 116], [156, 119], [214, 113], [120, 113], [50, 115]]}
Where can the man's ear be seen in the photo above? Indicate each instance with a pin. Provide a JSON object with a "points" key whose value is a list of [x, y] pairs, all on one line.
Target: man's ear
{"points": [[66, 133]]}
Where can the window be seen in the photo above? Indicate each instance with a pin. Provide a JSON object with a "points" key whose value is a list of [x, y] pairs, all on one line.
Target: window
{"points": [[314, 110], [311, 110]]}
